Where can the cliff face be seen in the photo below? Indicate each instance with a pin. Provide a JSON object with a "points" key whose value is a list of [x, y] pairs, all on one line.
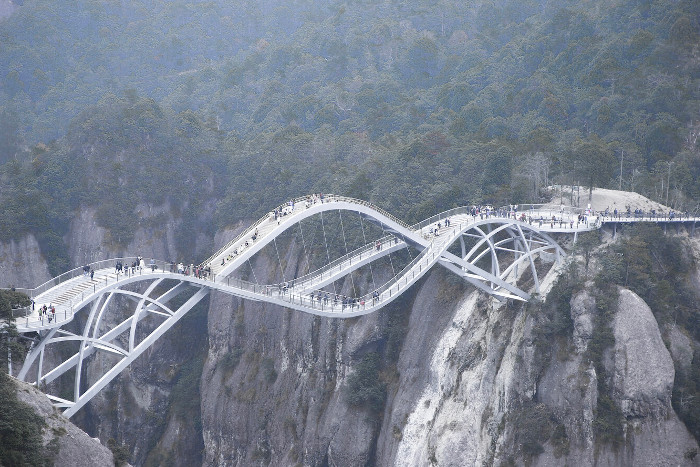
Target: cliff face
{"points": [[21, 263], [272, 384], [468, 383], [136, 410]]}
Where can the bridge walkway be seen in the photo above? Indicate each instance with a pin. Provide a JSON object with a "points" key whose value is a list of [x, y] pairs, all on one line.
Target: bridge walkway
{"points": [[520, 235], [69, 292]]}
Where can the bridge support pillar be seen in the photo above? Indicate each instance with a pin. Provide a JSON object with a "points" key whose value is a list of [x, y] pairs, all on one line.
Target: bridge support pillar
{"points": [[614, 229], [575, 237]]}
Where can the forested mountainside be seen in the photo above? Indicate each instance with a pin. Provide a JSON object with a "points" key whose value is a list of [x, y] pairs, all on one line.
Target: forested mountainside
{"points": [[415, 105], [163, 128]]}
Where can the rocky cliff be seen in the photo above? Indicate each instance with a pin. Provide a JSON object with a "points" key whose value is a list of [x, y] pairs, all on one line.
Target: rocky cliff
{"points": [[68, 445], [444, 376], [468, 384]]}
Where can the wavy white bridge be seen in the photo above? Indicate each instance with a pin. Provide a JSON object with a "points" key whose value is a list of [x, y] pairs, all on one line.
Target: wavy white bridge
{"points": [[493, 250]]}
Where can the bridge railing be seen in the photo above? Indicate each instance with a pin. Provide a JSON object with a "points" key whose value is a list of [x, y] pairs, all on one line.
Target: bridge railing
{"points": [[335, 302], [73, 273], [21, 312], [324, 271], [247, 232], [373, 207], [438, 217], [298, 201]]}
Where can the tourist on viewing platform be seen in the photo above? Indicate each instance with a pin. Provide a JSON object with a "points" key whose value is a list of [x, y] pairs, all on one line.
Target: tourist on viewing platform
{"points": [[92, 274]]}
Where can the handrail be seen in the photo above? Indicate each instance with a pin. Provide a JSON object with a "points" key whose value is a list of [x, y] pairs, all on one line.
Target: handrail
{"points": [[25, 311], [432, 219], [339, 261], [303, 199], [304, 298], [66, 310], [73, 273], [373, 207], [251, 228]]}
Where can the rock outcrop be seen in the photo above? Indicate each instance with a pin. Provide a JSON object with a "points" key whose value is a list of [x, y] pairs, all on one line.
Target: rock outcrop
{"points": [[21, 263], [468, 368], [74, 447]]}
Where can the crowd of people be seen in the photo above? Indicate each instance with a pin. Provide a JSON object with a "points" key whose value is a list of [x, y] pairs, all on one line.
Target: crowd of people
{"points": [[88, 271], [136, 266], [642, 214], [48, 311], [191, 270], [344, 302]]}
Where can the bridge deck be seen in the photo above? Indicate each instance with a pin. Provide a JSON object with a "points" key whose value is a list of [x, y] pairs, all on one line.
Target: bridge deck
{"points": [[69, 294]]}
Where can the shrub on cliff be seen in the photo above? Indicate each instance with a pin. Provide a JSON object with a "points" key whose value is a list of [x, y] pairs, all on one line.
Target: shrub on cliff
{"points": [[20, 429], [365, 387]]}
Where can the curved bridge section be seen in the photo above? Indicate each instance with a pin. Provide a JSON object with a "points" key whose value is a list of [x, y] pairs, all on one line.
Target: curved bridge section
{"points": [[495, 250]]}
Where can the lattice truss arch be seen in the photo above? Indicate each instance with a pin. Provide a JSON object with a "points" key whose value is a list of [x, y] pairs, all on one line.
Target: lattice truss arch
{"points": [[94, 337], [499, 242]]}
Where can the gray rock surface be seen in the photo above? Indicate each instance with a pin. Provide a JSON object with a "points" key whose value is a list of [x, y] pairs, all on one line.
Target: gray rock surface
{"points": [[582, 312], [681, 346], [134, 409], [7, 7], [272, 385], [643, 374], [643, 383], [21, 263], [76, 448]]}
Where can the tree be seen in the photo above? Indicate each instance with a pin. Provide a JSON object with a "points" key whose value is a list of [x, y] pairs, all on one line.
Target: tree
{"points": [[9, 135], [683, 33], [585, 245], [421, 61], [595, 162]]}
